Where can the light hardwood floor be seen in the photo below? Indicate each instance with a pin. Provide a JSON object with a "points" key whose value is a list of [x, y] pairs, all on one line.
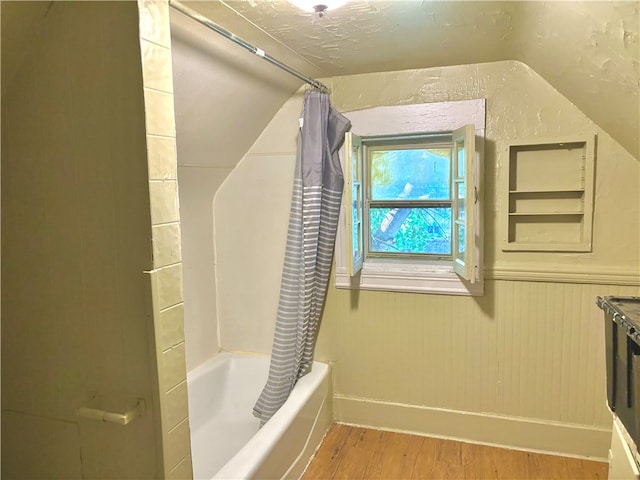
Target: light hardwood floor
{"points": [[360, 453]]}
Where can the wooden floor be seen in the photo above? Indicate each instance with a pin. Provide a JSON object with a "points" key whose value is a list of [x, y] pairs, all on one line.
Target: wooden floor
{"points": [[360, 453]]}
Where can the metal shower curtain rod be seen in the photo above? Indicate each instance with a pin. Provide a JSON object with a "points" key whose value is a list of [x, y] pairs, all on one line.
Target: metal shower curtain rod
{"points": [[247, 46]]}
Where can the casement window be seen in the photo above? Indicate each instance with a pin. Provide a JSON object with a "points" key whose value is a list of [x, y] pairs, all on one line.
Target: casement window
{"points": [[412, 218]]}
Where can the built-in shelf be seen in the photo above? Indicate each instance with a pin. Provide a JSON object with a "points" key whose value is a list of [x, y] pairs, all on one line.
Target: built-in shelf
{"points": [[545, 192], [537, 214], [549, 195]]}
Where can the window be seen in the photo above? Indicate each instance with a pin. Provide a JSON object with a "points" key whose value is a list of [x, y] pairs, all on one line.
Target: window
{"points": [[412, 201], [408, 198]]}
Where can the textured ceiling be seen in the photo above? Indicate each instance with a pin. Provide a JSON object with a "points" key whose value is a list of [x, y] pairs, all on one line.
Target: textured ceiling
{"points": [[363, 37], [589, 51]]}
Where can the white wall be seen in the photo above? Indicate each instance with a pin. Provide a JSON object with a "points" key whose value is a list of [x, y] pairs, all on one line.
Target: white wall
{"points": [[224, 97], [198, 186], [251, 215]]}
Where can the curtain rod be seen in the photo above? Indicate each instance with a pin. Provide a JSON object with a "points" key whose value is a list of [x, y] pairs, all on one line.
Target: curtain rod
{"points": [[247, 46]]}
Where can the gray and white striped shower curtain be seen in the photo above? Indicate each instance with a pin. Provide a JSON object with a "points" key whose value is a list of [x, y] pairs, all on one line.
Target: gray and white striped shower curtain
{"points": [[315, 207]]}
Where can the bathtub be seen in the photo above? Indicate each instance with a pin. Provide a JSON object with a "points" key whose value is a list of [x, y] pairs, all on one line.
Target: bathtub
{"points": [[226, 441]]}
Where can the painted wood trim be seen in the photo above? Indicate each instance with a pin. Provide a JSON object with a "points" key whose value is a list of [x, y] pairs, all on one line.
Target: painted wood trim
{"points": [[569, 274], [392, 279], [467, 266], [353, 164], [484, 428]]}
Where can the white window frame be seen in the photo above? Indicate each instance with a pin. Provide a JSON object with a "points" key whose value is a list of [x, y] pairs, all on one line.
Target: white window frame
{"points": [[404, 275]]}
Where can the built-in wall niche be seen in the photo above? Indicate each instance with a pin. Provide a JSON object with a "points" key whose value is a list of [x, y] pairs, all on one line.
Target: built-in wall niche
{"points": [[549, 194]]}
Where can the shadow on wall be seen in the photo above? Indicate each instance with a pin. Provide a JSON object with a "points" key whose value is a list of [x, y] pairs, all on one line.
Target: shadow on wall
{"points": [[208, 47]]}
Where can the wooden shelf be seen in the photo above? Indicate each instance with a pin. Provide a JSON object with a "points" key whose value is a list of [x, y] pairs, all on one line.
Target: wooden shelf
{"points": [[542, 214], [549, 195], [545, 192]]}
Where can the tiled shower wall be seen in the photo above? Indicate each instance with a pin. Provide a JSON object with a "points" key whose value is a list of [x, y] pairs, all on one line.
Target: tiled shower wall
{"points": [[166, 276]]}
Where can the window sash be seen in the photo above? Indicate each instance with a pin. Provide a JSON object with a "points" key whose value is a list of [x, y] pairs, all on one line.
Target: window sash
{"points": [[463, 155], [415, 255], [408, 203], [354, 199], [404, 204], [410, 142], [462, 175], [409, 274]]}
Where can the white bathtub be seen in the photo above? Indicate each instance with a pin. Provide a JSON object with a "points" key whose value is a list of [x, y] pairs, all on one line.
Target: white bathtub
{"points": [[226, 441]]}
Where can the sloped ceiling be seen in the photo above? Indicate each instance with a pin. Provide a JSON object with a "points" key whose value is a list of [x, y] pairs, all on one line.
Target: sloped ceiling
{"points": [[589, 51]]}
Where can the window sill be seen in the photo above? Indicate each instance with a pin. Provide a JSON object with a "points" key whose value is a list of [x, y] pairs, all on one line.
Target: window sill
{"points": [[405, 277]]}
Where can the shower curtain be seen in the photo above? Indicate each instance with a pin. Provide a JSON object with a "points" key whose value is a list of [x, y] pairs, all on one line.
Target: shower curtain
{"points": [[315, 206]]}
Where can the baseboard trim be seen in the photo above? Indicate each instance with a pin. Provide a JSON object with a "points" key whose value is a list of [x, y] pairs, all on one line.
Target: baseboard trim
{"points": [[511, 432]]}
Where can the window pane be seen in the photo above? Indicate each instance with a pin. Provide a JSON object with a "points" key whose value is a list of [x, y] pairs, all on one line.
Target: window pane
{"points": [[460, 186], [355, 238], [356, 195], [460, 159], [461, 240], [422, 173], [410, 230], [355, 164], [356, 221]]}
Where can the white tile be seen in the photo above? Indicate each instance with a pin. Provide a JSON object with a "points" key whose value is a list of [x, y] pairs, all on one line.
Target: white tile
{"points": [[173, 367], [169, 286], [156, 66], [176, 405], [183, 471], [178, 445], [161, 158], [164, 202], [159, 113], [166, 244], [154, 21], [172, 326]]}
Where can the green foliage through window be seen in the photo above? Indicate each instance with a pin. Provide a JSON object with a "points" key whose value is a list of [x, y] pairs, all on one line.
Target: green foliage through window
{"points": [[410, 200]]}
